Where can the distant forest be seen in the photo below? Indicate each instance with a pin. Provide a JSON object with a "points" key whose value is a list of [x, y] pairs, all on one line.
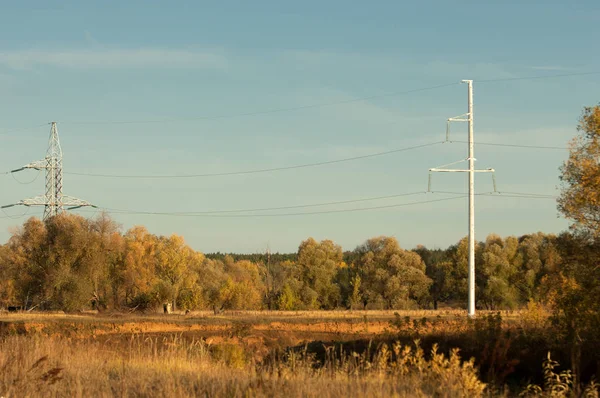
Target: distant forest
{"points": [[72, 263]]}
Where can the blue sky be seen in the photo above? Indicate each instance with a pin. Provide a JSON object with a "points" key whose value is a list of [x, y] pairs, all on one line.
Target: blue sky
{"points": [[89, 64]]}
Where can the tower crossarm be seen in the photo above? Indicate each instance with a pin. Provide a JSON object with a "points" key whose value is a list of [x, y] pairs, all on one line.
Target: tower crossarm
{"points": [[37, 165], [36, 201], [75, 203]]}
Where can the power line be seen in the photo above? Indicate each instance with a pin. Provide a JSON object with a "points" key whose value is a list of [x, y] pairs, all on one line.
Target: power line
{"points": [[268, 111], [309, 106], [218, 213], [537, 77], [321, 105], [25, 182], [242, 172], [296, 206], [14, 217], [506, 194], [116, 211], [12, 131], [527, 195], [512, 145]]}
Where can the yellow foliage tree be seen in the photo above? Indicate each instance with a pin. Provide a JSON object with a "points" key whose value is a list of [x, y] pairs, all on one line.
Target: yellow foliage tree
{"points": [[580, 196]]}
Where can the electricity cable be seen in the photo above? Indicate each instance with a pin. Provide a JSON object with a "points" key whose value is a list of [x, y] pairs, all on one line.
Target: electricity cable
{"points": [[116, 211], [218, 213], [19, 130], [510, 145], [268, 111], [27, 182], [256, 171], [536, 77], [310, 106]]}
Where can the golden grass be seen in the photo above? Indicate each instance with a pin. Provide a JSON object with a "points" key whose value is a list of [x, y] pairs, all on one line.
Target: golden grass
{"points": [[50, 367], [231, 354], [253, 316]]}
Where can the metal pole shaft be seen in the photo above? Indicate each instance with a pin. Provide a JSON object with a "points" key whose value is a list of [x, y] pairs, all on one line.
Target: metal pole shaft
{"points": [[471, 306]]}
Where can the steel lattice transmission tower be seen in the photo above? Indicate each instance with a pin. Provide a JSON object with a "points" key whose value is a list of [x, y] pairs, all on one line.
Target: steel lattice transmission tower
{"points": [[54, 201]]}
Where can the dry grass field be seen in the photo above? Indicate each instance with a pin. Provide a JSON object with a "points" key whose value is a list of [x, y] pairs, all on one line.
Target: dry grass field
{"points": [[317, 353]]}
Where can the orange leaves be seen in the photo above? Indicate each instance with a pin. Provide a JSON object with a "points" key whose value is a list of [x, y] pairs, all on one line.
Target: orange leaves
{"points": [[580, 176]]}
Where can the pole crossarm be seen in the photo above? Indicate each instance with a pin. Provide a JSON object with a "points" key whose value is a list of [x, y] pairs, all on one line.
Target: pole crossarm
{"points": [[462, 170], [460, 118], [465, 117]]}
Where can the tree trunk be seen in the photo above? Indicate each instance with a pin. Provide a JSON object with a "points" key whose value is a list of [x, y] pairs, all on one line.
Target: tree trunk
{"points": [[575, 356]]}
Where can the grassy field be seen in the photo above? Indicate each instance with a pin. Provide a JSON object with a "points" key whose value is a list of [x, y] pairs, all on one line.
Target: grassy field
{"points": [[317, 353]]}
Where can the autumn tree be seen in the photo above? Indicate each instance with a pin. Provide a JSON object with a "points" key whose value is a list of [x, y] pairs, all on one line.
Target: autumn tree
{"points": [[288, 285], [26, 258], [210, 281], [580, 176], [319, 263], [107, 242], [244, 288], [575, 287], [498, 273], [573, 291], [57, 262], [138, 271], [539, 255], [391, 276], [173, 264], [8, 290], [439, 268]]}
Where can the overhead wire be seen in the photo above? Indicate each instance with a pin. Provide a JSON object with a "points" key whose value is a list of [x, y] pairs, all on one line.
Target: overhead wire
{"points": [[26, 182], [305, 165], [16, 216], [218, 213], [505, 194], [326, 104], [223, 213], [511, 145], [310, 106], [19, 130], [256, 171], [301, 206], [528, 195], [117, 211], [506, 79], [268, 111]]}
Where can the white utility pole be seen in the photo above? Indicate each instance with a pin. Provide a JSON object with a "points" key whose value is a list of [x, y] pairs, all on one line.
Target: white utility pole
{"points": [[467, 117], [471, 306]]}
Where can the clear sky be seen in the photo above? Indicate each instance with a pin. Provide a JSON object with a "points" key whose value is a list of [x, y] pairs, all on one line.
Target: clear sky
{"points": [[176, 66]]}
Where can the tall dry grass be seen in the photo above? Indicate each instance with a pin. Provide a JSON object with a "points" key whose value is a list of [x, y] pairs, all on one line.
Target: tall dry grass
{"points": [[154, 367]]}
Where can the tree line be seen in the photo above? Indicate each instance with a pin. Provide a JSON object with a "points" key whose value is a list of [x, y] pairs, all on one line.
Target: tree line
{"points": [[73, 263]]}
